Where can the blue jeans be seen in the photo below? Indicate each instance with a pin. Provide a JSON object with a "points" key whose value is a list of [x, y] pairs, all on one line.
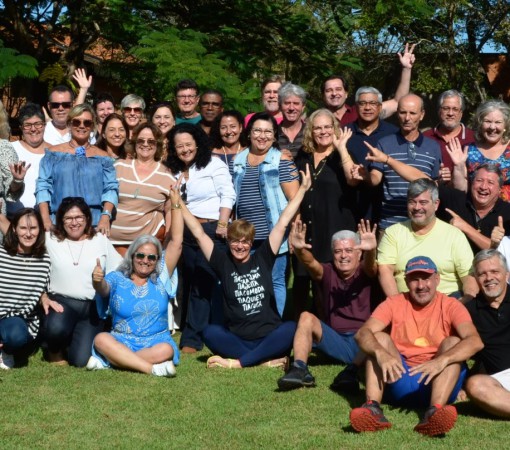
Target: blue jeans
{"points": [[339, 346], [14, 334]]}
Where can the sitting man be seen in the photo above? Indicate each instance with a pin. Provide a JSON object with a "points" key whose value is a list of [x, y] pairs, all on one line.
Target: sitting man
{"points": [[345, 286], [420, 361], [490, 312]]}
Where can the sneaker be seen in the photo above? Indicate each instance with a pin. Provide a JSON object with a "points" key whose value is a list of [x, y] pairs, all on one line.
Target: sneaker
{"points": [[296, 377], [6, 361], [347, 380], [437, 420], [96, 364], [369, 417], [164, 369]]}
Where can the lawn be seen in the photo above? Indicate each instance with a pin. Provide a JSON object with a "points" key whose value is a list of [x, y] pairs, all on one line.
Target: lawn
{"points": [[62, 407]]}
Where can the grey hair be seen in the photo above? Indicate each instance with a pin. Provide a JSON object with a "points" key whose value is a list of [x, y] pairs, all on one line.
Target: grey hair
{"points": [[486, 108], [489, 253], [421, 185], [345, 234], [367, 90], [126, 266], [289, 89], [491, 168], [130, 99], [451, 93]]}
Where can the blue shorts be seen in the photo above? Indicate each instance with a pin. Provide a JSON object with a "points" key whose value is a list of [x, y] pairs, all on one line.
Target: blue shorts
{"points": [[408, 392], [339, 346]]}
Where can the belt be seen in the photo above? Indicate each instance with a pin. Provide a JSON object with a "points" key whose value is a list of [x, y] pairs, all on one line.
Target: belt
{"points": [[206, 220]]}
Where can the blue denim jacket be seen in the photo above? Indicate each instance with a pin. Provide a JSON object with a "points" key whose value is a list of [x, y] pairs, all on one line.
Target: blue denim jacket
{"points": [[269, 181]]}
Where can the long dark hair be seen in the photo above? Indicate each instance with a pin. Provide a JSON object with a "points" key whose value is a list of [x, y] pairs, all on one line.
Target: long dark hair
{"points": [[67, 204], [11, 240], [215, 134], [101, 142], [203, 155]]}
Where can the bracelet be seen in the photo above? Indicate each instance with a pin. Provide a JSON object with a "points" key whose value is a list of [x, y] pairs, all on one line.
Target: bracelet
{"points": [[106, 213], [222, 224], [387, 159], [14, 180], [176, 206]]}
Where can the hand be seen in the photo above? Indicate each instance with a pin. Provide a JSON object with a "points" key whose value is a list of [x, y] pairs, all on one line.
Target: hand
{"points": [[298, 235], [428, 369], [98, 272], [48, 224], [287, 154], [456, 220], [175, 191], [306, 179], [498, 233], [445, 174], [103, 225], [359, 172], [221, 232], [47, 303], [19, 170], [344, 135], [407, 59], [458, 155], [391, 367], [375, 155], [80, 75], [368, 237]]}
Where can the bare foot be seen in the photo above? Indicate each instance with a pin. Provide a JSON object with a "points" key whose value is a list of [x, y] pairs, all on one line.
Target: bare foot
{"points": [[57, 359], [225, 363], [461, 396], [279, 363]]}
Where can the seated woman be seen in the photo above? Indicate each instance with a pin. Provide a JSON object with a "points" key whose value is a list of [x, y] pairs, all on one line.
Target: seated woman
{"points": [[24, 276], [74, 248], [253, 333], [138, 301]]}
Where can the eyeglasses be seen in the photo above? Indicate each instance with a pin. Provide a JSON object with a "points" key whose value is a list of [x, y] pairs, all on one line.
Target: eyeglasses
{"points": [[371, 104], [87, 123], [327, 128], [129, 110], [151, 256], [184, 97], [259, 131], [184, 193], [78, 219], [411, 150], [448, 109], [243, 242], [57, 105], [28, 126], [149, 142], [211, 104]]}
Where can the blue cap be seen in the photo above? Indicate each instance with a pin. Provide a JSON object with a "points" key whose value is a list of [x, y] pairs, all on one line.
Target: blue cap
{"points": [[420, 264]]}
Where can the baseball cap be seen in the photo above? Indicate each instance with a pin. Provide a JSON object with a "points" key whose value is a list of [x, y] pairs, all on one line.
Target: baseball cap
{"points": [[420, 264]]}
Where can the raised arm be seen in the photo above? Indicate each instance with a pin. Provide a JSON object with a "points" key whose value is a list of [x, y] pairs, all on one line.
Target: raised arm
{"points": [[278, 232], [459, 157], [369, 247], [302, 252], [80, 76], [340, 143], [174, 246]]}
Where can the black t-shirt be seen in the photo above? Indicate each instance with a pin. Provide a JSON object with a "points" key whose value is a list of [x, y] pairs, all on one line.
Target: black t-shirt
{"points": [[493, 325], [249, 305]]}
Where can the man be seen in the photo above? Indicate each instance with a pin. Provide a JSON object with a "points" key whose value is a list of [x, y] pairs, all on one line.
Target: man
{"points": [[490, 311], [187, 95], [420, 360], [402, 157], [346, 286], [425, 234], [292, 100], [451, 106], [269, 89], [335, 91], [211, 106], [477, 213]]}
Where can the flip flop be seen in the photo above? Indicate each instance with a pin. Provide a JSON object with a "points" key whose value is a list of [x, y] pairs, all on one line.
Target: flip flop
{"points": [[211, 363]]}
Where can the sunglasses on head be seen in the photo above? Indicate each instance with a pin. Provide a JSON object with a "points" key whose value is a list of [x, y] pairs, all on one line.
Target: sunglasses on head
{"points": [[151, 256], [87, 123], [65, 105]]}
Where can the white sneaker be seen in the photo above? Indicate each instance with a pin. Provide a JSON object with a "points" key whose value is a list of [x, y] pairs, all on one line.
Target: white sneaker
{"points": [[164, 369], [95, 364], [6, 361]]}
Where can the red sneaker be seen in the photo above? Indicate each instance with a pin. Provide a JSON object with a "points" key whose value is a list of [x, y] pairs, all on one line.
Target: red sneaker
{"points": [[437, 420], [369, 417]]}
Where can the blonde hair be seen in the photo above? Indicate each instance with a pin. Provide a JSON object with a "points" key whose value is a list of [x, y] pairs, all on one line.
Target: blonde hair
{"points": [[309, 144]]}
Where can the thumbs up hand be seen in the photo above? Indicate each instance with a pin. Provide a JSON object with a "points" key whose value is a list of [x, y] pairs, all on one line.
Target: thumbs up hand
{"points": [[498, 232], [98, 273]]}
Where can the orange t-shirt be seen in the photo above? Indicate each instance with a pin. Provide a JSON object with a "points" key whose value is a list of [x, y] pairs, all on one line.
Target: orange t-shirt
{"points": [[416, 331]]}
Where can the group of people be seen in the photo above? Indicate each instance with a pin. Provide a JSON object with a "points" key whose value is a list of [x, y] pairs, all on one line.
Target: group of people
{"points": [[380, 225]]}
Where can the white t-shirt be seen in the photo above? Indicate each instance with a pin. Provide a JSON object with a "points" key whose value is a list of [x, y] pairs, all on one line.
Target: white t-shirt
{"points": [[52, 135]]}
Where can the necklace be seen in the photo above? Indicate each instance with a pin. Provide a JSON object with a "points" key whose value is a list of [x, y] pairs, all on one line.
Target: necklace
{"points": [[75, 263], [27, 259], [225, 152], [317, 171]]}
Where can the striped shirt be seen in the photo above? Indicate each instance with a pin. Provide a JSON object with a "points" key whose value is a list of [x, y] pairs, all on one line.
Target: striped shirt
{"points": [[23, 278]]}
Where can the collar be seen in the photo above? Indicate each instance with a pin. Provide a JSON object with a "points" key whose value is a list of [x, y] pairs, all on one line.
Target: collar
{"points": [[441, 135], [402, 140]]}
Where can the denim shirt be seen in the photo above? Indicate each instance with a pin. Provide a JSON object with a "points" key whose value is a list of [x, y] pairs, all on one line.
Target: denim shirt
{"points": [[273, 198]]}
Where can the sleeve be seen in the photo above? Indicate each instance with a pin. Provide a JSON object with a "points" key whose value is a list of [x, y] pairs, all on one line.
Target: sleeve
{"points": [[217, 261], [112, 278], [462, 254], [8, 156], [266, 253], [459, 313], [110, 183], [504, 249], [113, 258], [387, 249], [384, 312], [437, 162], [222, 181], [287, 171], [44, 184]]}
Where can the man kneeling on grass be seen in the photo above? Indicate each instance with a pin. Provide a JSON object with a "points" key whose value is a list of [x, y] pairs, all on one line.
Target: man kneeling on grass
{"points": [[345, 286], [421, 361]]}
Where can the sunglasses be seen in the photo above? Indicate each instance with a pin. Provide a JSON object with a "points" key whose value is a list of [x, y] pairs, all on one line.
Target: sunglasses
{"points": [[87, 123], [129, 110], [57, 105], [149, 142], [151, 256]]}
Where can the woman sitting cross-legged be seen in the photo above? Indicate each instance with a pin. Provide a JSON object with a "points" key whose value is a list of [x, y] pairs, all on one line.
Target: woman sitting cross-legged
{"points": [[253, 332], [138, 299]]}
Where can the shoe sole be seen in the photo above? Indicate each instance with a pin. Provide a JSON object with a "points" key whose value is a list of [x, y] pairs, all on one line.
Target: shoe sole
{"points": [[363, 420], [287, 385], [439, 423]]}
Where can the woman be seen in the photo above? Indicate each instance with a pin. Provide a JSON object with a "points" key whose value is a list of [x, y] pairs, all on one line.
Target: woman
{"points": [[264, 180], [78, 169], [162, 115], [491, 124], [103, 106], [74, 248], [24, 276], [253, 333], [31, 150], [330, 205], [227, 136], [132, 107], [209, 194], [144, 190], [138, 302], [113, 136]]}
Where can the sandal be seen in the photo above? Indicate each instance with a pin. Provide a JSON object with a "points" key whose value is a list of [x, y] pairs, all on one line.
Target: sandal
{"points": [[280, 363], [213, 362]]}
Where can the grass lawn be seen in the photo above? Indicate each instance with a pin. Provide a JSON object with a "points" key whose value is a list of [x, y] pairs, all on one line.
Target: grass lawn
{"points": [[61, 407]]}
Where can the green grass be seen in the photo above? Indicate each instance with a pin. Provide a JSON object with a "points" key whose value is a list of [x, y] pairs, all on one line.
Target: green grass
{"points": [[62, 407]]}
